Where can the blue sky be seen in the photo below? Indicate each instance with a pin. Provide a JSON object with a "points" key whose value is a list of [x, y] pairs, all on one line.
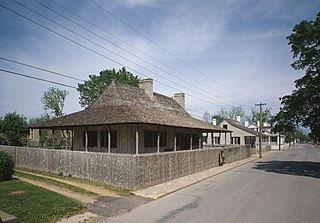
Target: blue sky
{"points": [[231, 53]]}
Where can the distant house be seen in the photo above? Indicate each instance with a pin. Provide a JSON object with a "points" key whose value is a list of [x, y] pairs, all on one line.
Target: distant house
{"points": [[133, 120], [241, 135], [272, 139]]}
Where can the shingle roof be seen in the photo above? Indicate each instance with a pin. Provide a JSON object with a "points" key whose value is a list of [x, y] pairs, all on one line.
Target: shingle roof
{"points": [[124, 104], [240, 126]]}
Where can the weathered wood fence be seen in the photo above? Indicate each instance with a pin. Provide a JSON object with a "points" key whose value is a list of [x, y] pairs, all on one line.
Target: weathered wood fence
{"points": [[124, 170]]}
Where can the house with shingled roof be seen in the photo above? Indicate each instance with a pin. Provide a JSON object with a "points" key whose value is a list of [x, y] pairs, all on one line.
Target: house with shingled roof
{"points": [[240, 135], [133, 120]]}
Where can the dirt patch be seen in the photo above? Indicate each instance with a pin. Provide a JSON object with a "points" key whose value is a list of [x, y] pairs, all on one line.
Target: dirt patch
{"points": [[14, 193], [89, 187], [68, 193]]}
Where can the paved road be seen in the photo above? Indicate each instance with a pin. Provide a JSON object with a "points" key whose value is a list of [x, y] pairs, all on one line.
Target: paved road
{"points": [[284, 187]]}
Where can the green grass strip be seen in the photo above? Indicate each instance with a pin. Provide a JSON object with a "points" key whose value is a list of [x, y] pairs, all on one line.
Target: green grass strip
{"points": [[32, 204]]}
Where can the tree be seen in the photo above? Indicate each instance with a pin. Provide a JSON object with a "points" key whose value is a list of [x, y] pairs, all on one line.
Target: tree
{"points": [[53, 101], [14, 129], [218, 118], [255, 116], [231, 113], [303, 105], [96, 84]]}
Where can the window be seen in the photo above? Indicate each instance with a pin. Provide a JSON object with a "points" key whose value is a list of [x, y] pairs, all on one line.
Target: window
{"points": [[163, 139], [151, 138], [183, 140], [274, 139], [104, 139], [92, 138], [236, 140], [225, 126], [195, 140]]}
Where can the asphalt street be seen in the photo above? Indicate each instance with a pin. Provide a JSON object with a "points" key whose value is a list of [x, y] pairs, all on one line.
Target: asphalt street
{"points": [[283, 187]]}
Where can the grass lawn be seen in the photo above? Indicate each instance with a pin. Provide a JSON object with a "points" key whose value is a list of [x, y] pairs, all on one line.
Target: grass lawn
{"points": [[33, 204]]}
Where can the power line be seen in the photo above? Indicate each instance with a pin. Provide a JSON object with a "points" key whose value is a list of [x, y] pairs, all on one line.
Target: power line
{"points": [[79, 44], [39, 68], [167, 51], [218, 101], [36, 78], [128, 44]]}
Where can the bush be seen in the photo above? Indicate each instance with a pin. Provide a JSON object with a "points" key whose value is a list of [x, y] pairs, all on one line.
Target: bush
{"points": [[6, 166]]}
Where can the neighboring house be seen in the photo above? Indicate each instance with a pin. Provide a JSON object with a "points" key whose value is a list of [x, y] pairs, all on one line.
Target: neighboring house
{"points": [[133, 120], [272, 139], [241, 135]]}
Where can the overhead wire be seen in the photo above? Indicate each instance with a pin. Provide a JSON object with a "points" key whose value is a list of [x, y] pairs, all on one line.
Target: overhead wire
{"points": [[46, 80], [96, 52], [99, 45], [99, 53], [128, 44], [39, 68], [165, 50], [61, 35], [36, 78]]}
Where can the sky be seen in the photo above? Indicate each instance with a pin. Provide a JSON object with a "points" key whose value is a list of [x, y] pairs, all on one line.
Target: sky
{"points": [[219, 53]]}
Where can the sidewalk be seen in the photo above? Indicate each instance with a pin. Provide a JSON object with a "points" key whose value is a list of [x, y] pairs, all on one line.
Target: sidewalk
{"points": [[169, 187]]}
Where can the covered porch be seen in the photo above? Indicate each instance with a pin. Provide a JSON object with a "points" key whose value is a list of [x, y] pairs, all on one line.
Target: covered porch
{"points": [[132, 138]]}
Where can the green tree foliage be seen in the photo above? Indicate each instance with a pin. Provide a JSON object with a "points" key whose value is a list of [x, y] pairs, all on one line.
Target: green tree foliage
{"points": [[96, 84], [255, 115], [218, 118], [13, 129], [303, 105], [53, 101], [6, 166], [231, 113]]}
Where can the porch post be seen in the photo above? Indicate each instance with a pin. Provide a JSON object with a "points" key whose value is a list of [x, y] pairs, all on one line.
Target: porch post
{"points": [[225, 138], [86, 140], [212, 139], [175, 140], [137, 141], [52, 138], [279, 141], [109, 141], [98, 140], [67, 139], [231, 141], [72, 139], [158, 142], [191, 140], [40, 141], [219, 138]]}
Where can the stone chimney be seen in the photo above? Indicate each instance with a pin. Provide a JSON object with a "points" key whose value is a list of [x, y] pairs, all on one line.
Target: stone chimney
{"points": [[238, 118], [246, 123], [180, 98], [147, 85]]}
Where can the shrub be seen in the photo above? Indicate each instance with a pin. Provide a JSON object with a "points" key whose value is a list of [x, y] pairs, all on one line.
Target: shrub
{"points": [[6, 166]]}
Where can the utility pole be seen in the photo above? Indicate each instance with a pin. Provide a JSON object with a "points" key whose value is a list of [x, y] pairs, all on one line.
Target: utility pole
{"points": [[260, 128]]}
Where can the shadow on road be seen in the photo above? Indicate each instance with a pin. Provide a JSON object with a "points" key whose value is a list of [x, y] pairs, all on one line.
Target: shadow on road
{"points": [[299, 168]]}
